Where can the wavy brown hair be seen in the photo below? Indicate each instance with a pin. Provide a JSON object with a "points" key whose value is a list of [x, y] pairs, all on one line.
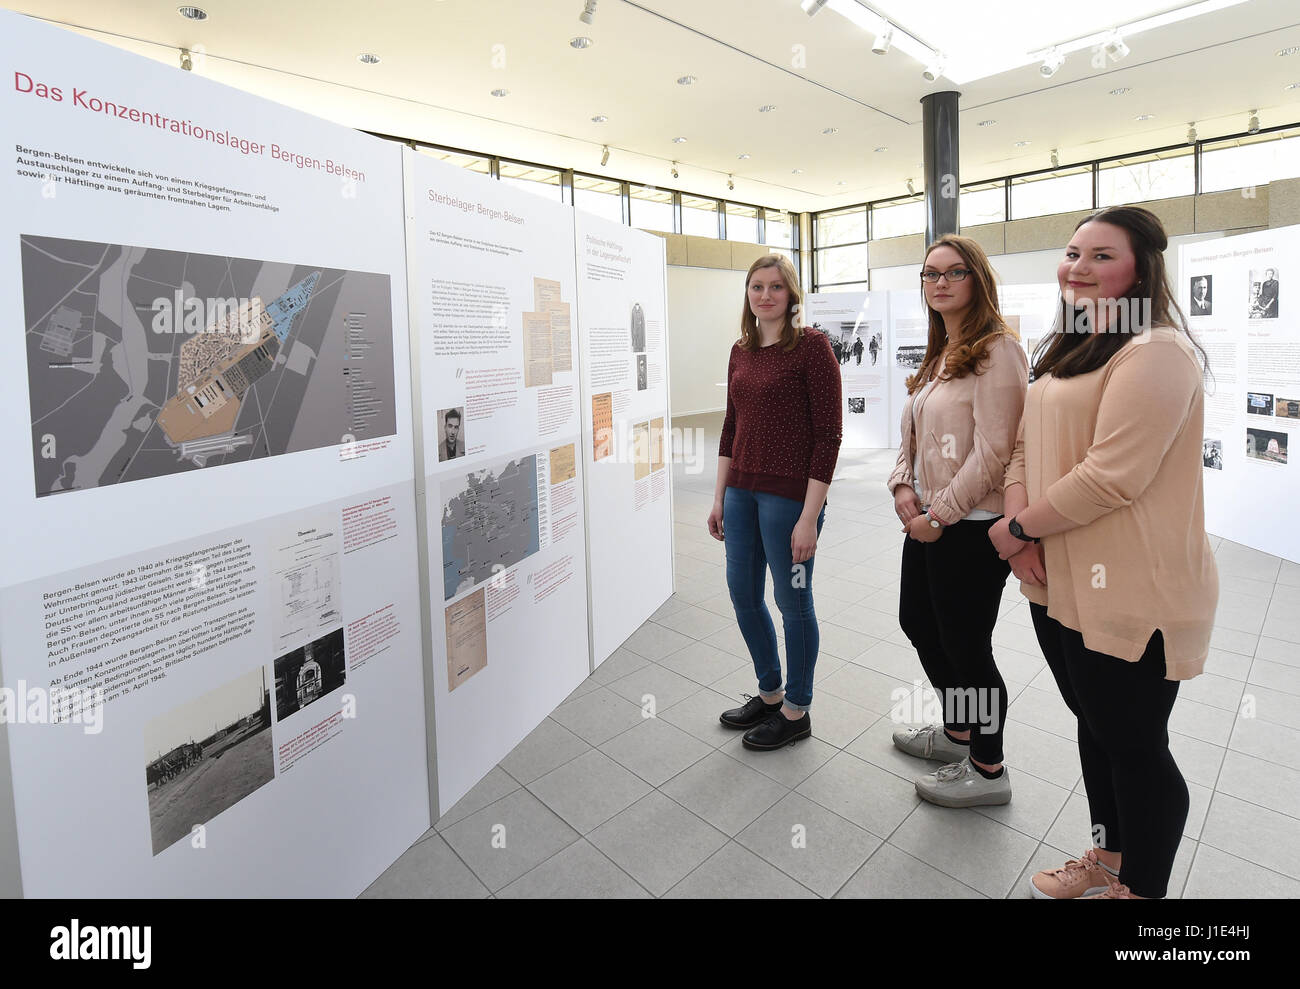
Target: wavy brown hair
{"points": [[1067, 351], [793, 329], [982, 324]]}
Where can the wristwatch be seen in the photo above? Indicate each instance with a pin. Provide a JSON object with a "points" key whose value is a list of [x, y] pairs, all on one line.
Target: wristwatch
{"points": [[934, 522], [1013, 527]]}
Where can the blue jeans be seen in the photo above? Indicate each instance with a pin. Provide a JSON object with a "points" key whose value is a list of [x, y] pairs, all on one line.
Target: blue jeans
{"points": [[757, 527]]}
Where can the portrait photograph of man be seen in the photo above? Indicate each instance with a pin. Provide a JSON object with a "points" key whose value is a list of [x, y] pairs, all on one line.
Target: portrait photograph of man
{"points": [[451, 443]]}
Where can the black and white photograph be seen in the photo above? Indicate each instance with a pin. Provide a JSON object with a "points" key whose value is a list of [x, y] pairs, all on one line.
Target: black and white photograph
{"points": [[1266, 444], [1212, 454], [1202, 296], [451, 437], [207, 755], [308, 673], [874, 347], [641, 379], [910, 356], [1286, 408], [857, 405], [1263, 293], [1259, 404], [638, 329]]}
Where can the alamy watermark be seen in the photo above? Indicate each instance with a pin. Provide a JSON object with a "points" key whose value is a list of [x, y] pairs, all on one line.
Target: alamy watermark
{"points": [[54, 705]]}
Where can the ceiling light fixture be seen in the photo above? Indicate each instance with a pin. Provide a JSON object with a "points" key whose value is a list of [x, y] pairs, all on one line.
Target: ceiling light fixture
{"points": [[1144, 116], [679, 140], [830, 130], [883, 41], [932, 71], [580, 42], [500, 92], [1283, 52], [1121, 91], [731, 184], [604, 155], [1056, 158], [810, 7], [674, 170], [986, 123], [368, 58], [743, 156], [1191, 132], [880, 149], [1292, 85], [186, 64], [1115, 48], [1252, 125], [588, 12], [767, 108], [1022, 144], [686, 80], [193, 13], [911, 189], [599, 118], [796, 171], [1052, 61]]}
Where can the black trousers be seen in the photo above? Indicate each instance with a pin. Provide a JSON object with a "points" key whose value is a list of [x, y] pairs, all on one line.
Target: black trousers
{"points": [[948, 600], [1136, 795]]}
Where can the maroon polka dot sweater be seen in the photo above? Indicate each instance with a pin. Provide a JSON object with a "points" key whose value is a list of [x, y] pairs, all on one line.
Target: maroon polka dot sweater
{"points": [[784, 416]]}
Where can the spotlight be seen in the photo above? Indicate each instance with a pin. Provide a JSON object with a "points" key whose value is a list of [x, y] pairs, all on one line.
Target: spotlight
{"points": [[674, 171], [1191, 132], [810, 7], [604, 155], [193, 13], [589, 12], [883, 40], [911, 189], [1252, 125], [932, 71], [186, 64], [1056, 159], [1053, 61], [368, 58], [1116, 48], [731, 184]]}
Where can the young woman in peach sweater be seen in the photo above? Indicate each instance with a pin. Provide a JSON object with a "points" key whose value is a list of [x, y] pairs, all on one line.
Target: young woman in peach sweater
{"points": [[1105, 527], [958, 428]]}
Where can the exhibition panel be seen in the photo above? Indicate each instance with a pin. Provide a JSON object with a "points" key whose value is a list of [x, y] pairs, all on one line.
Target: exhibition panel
{"points": [[857, 324], [494, 300], [209, 623], [627, 434], [1229, 290]]}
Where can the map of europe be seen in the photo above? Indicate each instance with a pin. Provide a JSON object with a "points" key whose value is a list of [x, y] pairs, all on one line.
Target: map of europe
{"points": [[489, 523]]}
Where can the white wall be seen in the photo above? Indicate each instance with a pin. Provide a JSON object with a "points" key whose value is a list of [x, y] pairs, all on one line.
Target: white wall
{"points": [[703, 322]]}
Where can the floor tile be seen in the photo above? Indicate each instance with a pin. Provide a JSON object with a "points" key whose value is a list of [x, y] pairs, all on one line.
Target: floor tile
{"points": [[724, 792], [657, 842], [1217, 875], [547, 746], [588, 791], [696, 622], [654, 688], [703, 663], [862, 793], [508, 838], [654, 642], [892, 874], [807, 842], [789, 766], [491, 788], [1253, 833], [656, 750], [735, 873], [578, 872], [977, 851], [598, 716], [427, 870]]}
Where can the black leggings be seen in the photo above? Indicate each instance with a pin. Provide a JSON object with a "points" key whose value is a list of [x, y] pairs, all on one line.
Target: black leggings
{"points": [[1136, 795], [948, 600]]}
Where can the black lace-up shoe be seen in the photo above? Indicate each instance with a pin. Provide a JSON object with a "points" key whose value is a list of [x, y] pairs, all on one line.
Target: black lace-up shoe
{"points": [[753, 713], [777, 732]]}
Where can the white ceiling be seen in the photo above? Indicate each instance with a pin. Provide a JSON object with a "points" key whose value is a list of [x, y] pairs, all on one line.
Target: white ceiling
{"points": [[440, 60]]}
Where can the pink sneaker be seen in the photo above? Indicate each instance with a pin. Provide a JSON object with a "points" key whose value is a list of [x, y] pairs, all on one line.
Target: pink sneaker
{"points": [[1083, 876], [1117, 891]]}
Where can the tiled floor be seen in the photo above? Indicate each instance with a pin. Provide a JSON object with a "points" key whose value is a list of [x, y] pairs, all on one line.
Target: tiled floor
{"points": [[600, 801]]}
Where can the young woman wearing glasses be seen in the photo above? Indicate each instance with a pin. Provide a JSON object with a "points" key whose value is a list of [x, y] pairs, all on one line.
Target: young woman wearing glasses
{"points": [[1105, 528], [780, 441], [959, 428]]}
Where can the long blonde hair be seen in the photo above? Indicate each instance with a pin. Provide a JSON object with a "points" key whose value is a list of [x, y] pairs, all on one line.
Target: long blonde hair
{"points": [[793, 329]]}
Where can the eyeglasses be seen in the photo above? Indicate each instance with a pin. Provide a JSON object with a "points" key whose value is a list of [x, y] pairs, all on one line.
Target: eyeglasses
{"points": [[956, 275]]}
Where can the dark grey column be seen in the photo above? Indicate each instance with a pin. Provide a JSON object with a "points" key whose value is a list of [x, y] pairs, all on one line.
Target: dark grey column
{"points": [[942, 163]]}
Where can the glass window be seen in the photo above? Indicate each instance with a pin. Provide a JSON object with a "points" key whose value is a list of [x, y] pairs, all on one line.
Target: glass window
{"points": [[842, 226], [841, 264], [776, 224], [1051, 192], [897, 219], [982, 203], [475, 163], [699, 216], [543, 182], [652, 208], [1162, 175], [599, 196], [1248, 161], [742, 223]]}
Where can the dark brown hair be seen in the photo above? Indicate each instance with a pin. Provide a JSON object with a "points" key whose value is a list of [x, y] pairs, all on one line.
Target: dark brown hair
{"points": [[793, 329], [1070, 350], [981, 326]]}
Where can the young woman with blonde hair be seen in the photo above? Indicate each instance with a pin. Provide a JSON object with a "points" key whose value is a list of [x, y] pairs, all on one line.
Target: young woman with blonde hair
{"points": [[959, 428], [780, 441]]}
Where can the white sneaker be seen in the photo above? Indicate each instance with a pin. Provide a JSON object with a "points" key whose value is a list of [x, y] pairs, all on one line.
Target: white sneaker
{"points": [[929, 742], [962, 785]]}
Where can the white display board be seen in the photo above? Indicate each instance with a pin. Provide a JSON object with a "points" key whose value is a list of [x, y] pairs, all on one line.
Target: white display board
{"points": [[1246, 316], [627, 437], [208, 498], [909, 329], [857, 324], [1031, 311], [494, 308]]}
